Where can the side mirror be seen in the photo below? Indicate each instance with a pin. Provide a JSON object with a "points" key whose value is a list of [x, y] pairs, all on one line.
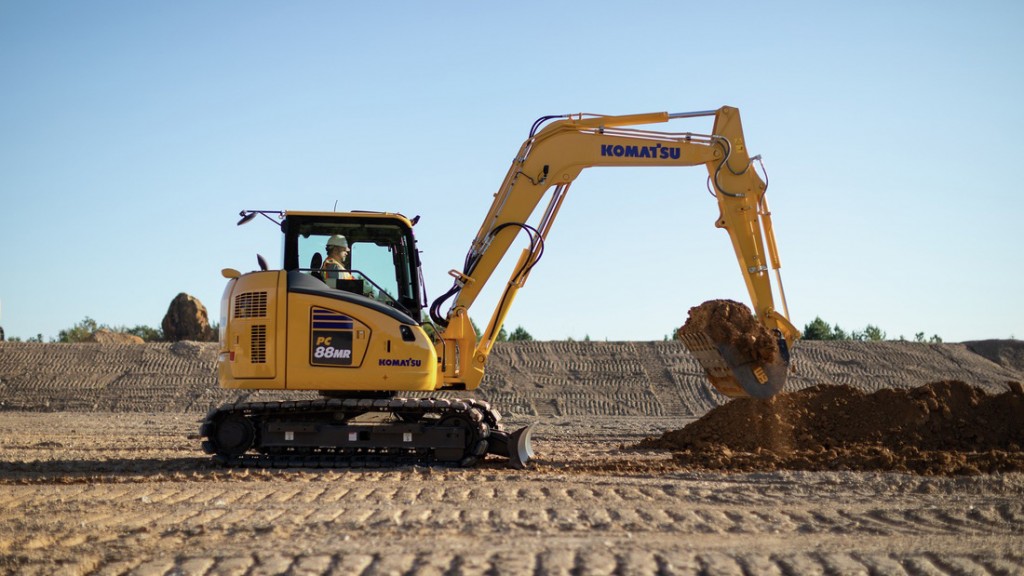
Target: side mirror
{"points": [[246, 217], [261, 262]]}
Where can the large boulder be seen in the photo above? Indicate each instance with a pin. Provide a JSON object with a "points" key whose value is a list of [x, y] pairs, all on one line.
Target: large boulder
{"points": [[186, 319]]}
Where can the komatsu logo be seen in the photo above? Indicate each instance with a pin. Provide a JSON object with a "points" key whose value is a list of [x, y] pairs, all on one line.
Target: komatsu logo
{"points": [[657, 151], [407, 362]]}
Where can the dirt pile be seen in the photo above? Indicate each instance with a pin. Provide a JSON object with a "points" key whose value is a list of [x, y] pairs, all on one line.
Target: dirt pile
{"points": [[1006, 353], [942, 428], [731, 323], [104, 336]]}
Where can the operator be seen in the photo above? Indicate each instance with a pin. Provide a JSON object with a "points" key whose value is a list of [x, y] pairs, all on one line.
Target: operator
{"points": [[333, 268]]}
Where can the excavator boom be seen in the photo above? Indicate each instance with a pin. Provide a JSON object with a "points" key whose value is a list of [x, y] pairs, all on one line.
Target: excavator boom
{"points": [[552, 158]]}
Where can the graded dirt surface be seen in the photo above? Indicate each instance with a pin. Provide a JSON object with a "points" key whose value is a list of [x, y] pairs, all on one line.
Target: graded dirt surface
{"points": [[100, 473]]}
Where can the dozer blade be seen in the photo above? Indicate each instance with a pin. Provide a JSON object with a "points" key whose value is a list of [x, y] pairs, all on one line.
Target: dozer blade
{"points": [[516, 446], [732, 373]]}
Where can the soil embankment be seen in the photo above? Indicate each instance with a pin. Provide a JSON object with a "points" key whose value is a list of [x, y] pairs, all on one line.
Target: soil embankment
{"points": [[549, 381]]}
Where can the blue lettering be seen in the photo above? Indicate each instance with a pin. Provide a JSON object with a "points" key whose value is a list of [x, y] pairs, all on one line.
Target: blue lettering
{"points": [[405, 363], [656, 151]]}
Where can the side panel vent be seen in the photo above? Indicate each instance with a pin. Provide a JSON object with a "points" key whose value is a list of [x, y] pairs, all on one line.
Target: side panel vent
{"points": [[258, 344], [251, 305]]}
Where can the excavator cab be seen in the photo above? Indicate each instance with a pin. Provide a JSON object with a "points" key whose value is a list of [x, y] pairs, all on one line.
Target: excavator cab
{"points": [[382, 262]]}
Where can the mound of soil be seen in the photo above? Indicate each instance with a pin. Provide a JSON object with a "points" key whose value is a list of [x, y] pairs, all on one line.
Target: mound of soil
{"points": [[1007, 353], [731, 323], [942, 428]]}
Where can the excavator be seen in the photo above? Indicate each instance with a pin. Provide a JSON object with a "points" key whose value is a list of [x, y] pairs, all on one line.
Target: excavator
{"points": [[360, 333]]}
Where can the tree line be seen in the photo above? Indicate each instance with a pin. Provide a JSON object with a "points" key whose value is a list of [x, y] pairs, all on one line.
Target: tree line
{"points": [[819, 329], [83, 331]]}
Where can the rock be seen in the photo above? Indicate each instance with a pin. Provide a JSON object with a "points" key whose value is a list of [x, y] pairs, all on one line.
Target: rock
{"points": [[104, 336], [186, 319]]}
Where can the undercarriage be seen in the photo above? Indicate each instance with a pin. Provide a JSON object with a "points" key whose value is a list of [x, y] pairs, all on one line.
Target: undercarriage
{"points": [[361, 432]]}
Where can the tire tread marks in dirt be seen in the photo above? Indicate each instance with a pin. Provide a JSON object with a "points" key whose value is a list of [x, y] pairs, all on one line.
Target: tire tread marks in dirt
{"points": [[524, 378]]}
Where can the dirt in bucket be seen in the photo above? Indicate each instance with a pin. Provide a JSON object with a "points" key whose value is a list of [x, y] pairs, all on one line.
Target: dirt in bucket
{"points": [[731, 323]]}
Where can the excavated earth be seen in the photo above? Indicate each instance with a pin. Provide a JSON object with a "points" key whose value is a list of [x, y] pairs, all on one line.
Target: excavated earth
{"points": [[939, 428], [880, 458], [732, 323]]}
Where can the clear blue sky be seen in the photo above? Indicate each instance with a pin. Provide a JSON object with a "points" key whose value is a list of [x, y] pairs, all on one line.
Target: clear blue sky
{"points": [[132, 133]]}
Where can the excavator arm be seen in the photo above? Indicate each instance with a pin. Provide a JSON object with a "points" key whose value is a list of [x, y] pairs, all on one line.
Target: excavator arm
{"points": [[551, 159]]}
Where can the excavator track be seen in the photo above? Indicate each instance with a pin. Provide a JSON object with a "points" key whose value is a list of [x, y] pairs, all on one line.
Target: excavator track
{"points": [[360, 433]]}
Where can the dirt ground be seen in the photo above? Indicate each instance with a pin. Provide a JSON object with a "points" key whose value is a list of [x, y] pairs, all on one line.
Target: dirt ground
{"points": [[100, 473]]}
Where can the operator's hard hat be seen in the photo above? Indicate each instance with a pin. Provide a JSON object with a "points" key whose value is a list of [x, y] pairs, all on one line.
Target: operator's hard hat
{"points": [[337, 240]]}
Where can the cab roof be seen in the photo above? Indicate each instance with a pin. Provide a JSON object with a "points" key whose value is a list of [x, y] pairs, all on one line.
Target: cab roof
{"points": [[358, 214]]}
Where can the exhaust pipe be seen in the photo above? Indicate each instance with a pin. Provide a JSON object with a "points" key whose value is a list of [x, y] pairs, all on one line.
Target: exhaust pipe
{"points": [[516, 446]]}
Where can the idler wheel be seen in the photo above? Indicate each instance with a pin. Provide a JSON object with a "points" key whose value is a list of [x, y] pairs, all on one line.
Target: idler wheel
{"points": [[233, 435], [469, 422]]}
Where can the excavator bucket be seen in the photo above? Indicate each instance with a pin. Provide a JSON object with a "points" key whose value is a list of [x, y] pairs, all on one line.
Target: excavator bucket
{"points": [[516, 446], [732, 372]]}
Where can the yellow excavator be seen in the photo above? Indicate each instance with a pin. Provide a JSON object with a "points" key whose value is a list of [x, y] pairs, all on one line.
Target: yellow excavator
{"points": [[347, 315]]}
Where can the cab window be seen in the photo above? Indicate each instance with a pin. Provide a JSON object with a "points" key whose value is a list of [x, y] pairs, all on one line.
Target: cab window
{"points": [[379, 262]]}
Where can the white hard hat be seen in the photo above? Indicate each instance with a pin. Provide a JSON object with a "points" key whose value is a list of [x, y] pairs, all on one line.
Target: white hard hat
{"points": [[337, 240]]}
